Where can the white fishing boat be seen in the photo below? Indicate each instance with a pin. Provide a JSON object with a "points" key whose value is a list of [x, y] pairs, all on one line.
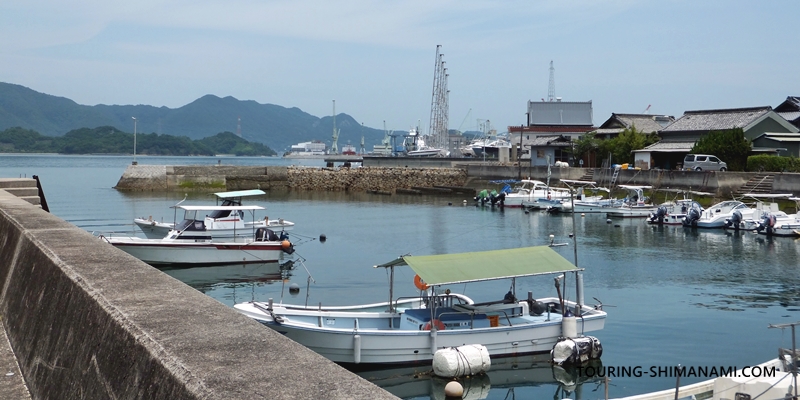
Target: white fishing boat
{"points": [[581, 199], [416, 146], [732, 213], [219, 224], [635, 205], [776, 223], [531, 190], [673, 212], [181, 247], [411, 330]]}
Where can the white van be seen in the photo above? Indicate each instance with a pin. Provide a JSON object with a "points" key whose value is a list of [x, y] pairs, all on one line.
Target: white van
{"points": [[703, 162]]}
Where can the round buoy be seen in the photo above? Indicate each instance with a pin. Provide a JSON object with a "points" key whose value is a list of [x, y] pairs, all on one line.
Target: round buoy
{"points": [[616, 225], [294, 288], [449, 203], [571, 234], [583, 215], [286, 244], [453, 389], [608, 221], [322, 238]]}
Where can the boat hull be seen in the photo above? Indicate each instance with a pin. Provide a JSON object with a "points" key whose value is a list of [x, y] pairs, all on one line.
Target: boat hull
{"points": [[359, 338], [186, 252], [630, 212]]}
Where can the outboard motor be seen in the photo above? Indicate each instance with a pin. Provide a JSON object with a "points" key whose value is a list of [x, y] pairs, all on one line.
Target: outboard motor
{"points": [[501, 199], [692, 216], [734, 221], [482, 197], [493, 197], [266, 235], [767, 223], [658, 216]]}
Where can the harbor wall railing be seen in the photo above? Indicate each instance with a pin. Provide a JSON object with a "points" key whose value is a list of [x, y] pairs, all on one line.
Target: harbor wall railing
{"points": [[87, 321]]}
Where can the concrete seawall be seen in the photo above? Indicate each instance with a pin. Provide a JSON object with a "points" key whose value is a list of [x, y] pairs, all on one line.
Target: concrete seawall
{"points": [[392, 178], [87, 321]]}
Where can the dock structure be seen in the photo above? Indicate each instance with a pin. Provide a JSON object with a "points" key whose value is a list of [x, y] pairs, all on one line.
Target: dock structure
{"points": [[83, 320]]}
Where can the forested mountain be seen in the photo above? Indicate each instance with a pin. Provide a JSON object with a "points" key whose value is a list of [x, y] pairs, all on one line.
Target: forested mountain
{"points": [[277, 127], [109, 140]]}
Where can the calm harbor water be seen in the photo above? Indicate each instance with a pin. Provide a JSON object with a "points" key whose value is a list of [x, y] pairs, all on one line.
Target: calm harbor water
{"points": [[674, 295]]}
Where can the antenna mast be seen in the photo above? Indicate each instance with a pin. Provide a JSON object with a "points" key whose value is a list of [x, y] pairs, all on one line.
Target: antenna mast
{"points": [[551, 90]]}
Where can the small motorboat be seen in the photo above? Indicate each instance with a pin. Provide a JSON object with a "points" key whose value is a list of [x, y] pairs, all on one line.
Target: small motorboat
{"points": [[184, 247], [220, 224], [636, 205]]}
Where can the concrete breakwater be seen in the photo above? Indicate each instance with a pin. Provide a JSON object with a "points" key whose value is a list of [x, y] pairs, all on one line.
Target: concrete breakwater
{"points": [[214, 177], [87, 321], [391, 179]]}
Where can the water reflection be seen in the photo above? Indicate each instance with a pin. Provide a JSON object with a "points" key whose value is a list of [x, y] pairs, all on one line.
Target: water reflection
{"points": [[208, 278], [506, 379]]}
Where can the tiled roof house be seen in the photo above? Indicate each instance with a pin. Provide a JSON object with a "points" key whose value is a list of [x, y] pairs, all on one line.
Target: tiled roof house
{"points": [[790, 110], [678, 138], [644, 123]]}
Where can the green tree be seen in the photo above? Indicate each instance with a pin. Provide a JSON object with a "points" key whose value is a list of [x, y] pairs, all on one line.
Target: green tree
{"points": [[729, 145], [584, 146], [622, 146]]}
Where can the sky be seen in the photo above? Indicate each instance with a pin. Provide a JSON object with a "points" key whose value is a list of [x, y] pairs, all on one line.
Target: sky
{"points": [[376, 59]]}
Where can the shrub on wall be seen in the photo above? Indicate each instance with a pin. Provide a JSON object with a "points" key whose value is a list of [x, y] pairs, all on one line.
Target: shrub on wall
{"points": [[772, 163]]}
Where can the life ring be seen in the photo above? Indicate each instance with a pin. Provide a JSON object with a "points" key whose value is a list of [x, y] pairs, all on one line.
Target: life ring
{"points": [[419, 283], [438, 324]]}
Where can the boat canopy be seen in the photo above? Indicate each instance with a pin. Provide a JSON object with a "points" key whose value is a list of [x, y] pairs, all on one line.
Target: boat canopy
{"points": [[220, 208], [787, 196], [446, 269], [240, 193]]}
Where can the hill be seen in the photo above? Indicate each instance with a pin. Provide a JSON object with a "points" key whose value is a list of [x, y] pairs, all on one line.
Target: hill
{"points": [[109, 140], [275, 126]]}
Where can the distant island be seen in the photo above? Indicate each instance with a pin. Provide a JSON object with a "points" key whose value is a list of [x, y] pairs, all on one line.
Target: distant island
{"points": [[110, 140]]}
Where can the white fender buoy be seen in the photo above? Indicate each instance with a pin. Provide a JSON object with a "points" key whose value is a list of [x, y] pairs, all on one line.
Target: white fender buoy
{"points": [[464, 360], [453, 389], [357, 349], [569, 327]]}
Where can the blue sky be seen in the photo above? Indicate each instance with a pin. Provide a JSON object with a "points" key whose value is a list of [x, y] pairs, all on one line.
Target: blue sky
{"points": [[376, 58]]}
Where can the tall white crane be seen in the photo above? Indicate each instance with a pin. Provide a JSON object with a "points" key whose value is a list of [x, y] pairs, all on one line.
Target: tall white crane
{"points": [[334, 146]]}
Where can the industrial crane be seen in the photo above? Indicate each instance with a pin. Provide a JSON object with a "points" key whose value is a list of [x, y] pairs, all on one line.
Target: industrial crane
{"points": [[334, 146]]}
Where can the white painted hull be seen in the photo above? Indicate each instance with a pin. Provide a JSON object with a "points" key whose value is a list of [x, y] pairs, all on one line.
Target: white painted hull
{"points": [[158, 230], [426, 153], [532, 200], [163, 251], [631, 211], [581, 207], [771, 386], [365, 338]]}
